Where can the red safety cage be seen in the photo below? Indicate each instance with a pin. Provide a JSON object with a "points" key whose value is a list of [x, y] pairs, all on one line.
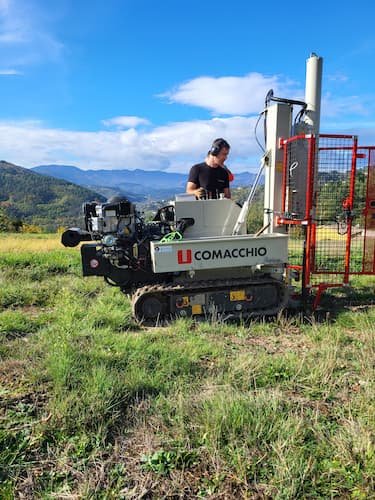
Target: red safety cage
{"points": [[328, 206]]}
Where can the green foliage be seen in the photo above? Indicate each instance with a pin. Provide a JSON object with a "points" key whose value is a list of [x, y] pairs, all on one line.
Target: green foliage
{"points": [[255, 214], [334, 189], [31, 228], [7, 223], [39, 200], [163, 462]]}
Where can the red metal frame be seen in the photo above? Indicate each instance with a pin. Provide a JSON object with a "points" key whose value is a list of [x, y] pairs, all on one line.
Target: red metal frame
{"points": [[370, 198], [310, 230], [350, 207], [283, 145], [310, 178], [308, 266], [337, 136]]}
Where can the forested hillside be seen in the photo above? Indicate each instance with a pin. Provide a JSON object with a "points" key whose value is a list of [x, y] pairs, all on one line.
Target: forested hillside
{"points": [[38, 199]]}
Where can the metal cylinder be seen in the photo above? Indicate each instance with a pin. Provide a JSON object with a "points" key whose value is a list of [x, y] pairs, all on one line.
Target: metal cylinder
{"points": [[313, 91], [73, 236]]}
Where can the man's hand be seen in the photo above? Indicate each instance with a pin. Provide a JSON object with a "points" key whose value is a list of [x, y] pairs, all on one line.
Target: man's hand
{"points": [[200, 192]]}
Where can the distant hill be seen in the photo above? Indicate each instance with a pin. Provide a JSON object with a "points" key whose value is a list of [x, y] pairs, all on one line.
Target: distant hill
{"points": [[155, 184], [40, 199]]}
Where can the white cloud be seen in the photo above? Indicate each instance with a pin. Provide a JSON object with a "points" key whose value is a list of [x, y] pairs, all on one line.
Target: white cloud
{"points": [[344, 106], [172, 147], [245, 95], [232, 95], [25, 36], [175, 146], [125, 122], [4, 5], [6, 72], [337, 77]]}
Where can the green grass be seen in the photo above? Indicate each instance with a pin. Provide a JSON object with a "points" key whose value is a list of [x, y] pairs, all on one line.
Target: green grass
{"points": [[92, 406]]}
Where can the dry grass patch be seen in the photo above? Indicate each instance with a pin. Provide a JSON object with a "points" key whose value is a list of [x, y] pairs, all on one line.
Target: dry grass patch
{"points": [[10, 243]]}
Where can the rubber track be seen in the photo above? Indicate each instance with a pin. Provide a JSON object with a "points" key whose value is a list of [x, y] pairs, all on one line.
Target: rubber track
{"points": [[190, 288]]}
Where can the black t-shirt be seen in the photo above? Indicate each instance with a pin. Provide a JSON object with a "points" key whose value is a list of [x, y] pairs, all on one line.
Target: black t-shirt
{"points": [[212, 179]]}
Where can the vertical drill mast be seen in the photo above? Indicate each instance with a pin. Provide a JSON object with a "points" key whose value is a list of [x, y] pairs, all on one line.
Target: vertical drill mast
{"points": [[279, 126]]}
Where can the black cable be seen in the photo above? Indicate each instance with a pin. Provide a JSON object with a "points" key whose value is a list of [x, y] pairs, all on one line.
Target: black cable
{"points": [[299, 116], [255, 132], [268, 98], [271, 97]]}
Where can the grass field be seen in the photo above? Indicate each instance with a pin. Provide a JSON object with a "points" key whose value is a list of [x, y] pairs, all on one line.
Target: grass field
{"points": [[92, 406]]}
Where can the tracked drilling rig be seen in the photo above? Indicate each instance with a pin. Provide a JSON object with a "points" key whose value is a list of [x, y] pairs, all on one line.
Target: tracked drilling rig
{"points": [[196, 259], [205, 271]]}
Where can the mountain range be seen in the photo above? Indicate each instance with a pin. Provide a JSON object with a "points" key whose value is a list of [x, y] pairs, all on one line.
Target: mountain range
{"points": [[136, 185]]}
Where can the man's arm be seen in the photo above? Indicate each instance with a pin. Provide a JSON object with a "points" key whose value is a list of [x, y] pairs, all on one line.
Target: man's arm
{"points": [[227, 193], [191, 187]]}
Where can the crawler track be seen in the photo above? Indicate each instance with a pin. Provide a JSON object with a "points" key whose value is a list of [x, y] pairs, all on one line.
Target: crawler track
{"points": [[158, 303]]}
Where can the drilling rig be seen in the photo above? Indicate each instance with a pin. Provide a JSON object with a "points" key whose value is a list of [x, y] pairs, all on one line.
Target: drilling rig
{"points": [[195, 257]]}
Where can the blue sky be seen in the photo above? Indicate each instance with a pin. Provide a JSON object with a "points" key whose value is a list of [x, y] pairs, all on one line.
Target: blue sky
{"points": [[149, 84]]}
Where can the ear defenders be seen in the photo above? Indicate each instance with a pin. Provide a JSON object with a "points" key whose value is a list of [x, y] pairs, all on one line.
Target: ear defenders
{"points": [[217, 146]]}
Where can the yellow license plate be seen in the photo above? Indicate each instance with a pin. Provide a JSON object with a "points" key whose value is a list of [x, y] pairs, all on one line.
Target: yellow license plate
{"points": [[237, 295], [196, 309]]}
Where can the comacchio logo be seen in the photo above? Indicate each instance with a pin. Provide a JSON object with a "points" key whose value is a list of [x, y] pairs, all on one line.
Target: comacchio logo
{"points": [[243, 253], [184, 256]]}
